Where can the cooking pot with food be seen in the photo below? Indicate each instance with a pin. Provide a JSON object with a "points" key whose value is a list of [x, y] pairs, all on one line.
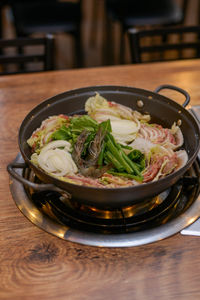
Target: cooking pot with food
{"points": [[161, 109]]}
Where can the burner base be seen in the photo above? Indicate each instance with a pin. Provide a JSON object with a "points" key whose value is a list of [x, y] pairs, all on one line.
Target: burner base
{"points": [[184, 214]]}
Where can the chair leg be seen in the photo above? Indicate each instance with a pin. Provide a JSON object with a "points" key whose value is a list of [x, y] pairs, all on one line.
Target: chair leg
{"points": [[94, 7], [21, 66], [108, 43], [122, 46], [1, 25], [185, 6], [79, 61]]}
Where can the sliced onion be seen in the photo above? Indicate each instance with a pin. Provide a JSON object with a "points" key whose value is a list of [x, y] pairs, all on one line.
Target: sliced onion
{"points": [[182, 157], [57, 144], [142, 144], [124, 139], [44, 162], [179, 138], [57, 162], [124, 131]]}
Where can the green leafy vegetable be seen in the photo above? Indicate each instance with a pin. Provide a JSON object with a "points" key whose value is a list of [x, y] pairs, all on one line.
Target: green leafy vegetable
{"points": [[129, 166], [136, 155], [62, 134], [78, 124], [139, 159], [106, 126]]}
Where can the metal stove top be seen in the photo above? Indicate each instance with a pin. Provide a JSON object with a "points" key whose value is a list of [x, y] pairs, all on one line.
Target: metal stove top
{"points": [[194, 229], [186, 222]]}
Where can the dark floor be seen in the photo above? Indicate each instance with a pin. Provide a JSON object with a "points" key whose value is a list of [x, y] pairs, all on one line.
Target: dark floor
{"points": [[92, 31]]}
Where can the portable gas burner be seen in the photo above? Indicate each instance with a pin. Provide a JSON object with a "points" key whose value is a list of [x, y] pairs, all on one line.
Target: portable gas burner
{"points": [[168, 213]]}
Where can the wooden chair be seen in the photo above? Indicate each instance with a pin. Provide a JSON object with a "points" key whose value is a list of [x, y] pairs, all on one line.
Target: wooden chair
{"points": [[49, 16], [36, 54], [170, 43], [137, 14]]}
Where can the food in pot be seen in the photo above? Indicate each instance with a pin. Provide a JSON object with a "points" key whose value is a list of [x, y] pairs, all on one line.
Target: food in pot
{"points": [[110, 146]]}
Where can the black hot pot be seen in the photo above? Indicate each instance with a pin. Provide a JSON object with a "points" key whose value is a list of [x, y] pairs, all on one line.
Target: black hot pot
{"points": [[163, 111]]}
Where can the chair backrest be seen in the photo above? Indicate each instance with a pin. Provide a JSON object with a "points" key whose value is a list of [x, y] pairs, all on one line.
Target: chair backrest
{"points": [[25, 55], [45, 16], [163, 44], [132, 13]]}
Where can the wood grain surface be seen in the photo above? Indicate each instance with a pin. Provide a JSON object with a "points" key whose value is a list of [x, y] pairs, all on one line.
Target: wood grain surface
{"points": [[37, 265]]}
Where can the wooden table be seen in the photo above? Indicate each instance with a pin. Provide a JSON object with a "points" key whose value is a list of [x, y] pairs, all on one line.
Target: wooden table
{"points": [[37, 265]]}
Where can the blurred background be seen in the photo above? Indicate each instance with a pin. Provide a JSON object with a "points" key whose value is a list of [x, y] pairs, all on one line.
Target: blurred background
{"points": [[94, 27]]}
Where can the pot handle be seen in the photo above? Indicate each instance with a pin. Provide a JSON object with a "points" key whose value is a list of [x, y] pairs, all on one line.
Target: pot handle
{"points": [[175, 88], [35, 186]]}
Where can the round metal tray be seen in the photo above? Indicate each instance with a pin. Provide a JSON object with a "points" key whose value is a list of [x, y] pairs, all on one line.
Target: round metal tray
{"points": [[48, 224]]}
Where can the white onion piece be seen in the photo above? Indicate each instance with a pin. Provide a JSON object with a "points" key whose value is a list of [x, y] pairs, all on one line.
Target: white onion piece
{"points": [[44, 161], [179, 138], [57, 162], [57, 144], [142, 144], [145, 146], [124, 131], [124, 140], [182, 157]]}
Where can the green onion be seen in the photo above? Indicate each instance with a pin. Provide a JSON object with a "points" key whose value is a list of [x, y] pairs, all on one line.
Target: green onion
{"points": [[132, 164], [114, 161], [111, 138], [118, 156], [106, 126], [137, 178], [126, 147]]}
